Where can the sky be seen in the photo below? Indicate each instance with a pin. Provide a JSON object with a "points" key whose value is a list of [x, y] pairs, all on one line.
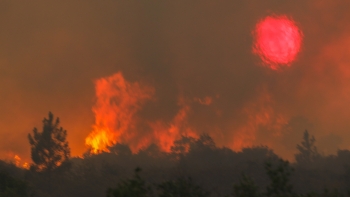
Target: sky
{"points": [[195, 55]]}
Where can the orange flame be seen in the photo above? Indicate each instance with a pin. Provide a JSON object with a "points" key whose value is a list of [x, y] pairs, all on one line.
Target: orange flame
{"points": [[117, 101], [116, 121], [25, 165], [166, 134], [17, 161], [259, 113]]}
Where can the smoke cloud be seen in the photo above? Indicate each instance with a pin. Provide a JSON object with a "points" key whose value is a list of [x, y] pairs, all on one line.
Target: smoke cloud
{"points": [[200, 51]]}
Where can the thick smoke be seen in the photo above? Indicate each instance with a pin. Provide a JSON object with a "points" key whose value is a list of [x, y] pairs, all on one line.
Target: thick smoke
{"points": [[200, 51]]}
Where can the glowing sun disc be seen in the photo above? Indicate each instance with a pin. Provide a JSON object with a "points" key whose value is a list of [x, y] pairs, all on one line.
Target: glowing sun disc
{"points": [[277, 41]]}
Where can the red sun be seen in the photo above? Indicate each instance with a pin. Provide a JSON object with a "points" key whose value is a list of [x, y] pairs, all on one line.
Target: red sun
{"points": [[277, 41]]}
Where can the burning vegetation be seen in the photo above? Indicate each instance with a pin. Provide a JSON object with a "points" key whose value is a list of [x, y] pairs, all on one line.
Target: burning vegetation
{"points": [[115, 110], [117, 102]]}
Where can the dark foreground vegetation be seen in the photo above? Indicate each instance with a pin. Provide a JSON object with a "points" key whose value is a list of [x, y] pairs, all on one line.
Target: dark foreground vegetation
{"points": [[194, 167]]}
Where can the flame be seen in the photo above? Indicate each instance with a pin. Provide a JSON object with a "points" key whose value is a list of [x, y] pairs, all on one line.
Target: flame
{"points": [[117, 101], [25, 165], [166, 134], [116, 121], [18, 162], [259, 113]]}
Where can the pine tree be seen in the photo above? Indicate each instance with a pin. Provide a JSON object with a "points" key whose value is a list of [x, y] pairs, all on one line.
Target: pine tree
{"points": [[307, 150], [280, 179], [49, 148], [246, 187], [181, 187], [135, 187]]}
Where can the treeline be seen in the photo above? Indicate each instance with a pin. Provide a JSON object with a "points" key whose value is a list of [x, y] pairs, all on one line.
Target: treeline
{"points": [[194, 167], [279, 186]]}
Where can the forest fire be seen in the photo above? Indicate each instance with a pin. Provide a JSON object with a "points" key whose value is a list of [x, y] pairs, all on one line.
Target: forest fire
{"points": [[19, 163], [117, 101], [166, 134], [259, 114], [117, 121]]}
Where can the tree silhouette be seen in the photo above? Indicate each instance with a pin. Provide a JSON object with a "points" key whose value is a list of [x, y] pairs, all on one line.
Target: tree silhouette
{"points": [[181, 188], [11, 187], [135, 187], [246, 187], [182, 146], [280, 182], [49, 148], [307, 150]]}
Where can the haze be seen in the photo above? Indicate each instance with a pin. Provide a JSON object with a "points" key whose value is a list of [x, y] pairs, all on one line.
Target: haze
{"points": [[51, 52]]}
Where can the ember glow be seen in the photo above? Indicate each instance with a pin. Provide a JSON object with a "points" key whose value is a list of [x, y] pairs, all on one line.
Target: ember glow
{"points": [[277, 41], [17, 161]]}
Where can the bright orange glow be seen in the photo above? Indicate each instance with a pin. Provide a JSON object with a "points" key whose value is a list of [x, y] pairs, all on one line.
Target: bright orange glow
{"points": [[117, 101], [18, 162], [277, 41], [100, 140], [25, 165], [116, 120]]}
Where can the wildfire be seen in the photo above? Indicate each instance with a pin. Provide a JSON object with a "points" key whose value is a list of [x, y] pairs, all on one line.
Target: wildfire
{"points": [[116, 120], [259, 114], [18, 162], [166, 134], [117, 101], [26, 165]]}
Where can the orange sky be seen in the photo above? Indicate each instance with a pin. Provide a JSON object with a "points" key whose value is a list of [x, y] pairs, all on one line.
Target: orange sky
{"points": [[200, 51]]}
